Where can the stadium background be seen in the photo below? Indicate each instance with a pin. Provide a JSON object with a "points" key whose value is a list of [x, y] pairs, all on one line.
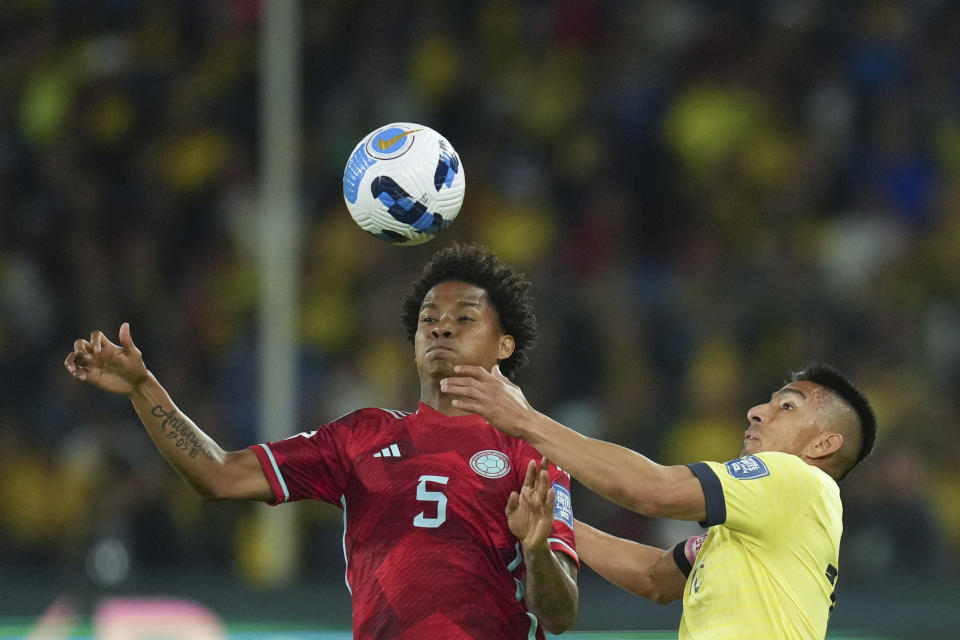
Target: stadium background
{"points": [[705, 195]]}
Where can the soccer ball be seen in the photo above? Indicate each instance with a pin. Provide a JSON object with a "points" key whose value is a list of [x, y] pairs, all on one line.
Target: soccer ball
{"points": [[404, 183]]}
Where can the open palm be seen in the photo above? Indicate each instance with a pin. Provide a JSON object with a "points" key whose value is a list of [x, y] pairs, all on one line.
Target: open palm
{"points": [[530, 511]]}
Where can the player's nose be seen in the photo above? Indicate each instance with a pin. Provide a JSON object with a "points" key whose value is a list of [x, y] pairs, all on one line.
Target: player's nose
{"points": [[756, 414], [442, 327]]}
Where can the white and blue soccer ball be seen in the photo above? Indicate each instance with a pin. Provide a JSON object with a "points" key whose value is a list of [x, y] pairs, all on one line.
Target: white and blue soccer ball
{"points": [[404, 183]]}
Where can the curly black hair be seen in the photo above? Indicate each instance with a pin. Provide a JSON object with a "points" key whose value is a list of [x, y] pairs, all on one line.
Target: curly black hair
{"points": [[827, 376], [508, 290]]}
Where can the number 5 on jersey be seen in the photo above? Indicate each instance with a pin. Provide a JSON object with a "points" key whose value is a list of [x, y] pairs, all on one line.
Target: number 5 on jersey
{"points": [[425, 495]]}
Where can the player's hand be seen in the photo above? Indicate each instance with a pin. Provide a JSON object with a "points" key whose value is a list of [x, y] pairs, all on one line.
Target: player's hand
{"points": [[111, 367], [530, 511], [491, 395]]}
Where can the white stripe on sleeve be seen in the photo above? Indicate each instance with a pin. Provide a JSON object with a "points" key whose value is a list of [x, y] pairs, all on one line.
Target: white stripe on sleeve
{"points": [[276, 471], [565, 546]]}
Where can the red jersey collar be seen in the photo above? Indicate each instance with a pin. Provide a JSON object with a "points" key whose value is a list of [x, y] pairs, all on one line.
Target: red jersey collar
{"points": [[429, 413]]}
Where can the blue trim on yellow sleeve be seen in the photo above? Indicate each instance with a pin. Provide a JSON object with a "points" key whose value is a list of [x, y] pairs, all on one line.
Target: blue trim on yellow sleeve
{"points": [[712, 494]]}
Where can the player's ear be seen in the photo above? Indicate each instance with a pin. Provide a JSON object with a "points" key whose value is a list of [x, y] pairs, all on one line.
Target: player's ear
{"points": [[826, 444], [506, 347]]}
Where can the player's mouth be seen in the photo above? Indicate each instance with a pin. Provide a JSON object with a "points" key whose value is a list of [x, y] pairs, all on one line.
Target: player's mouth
{"points": [[438, 347], [749, 437]]}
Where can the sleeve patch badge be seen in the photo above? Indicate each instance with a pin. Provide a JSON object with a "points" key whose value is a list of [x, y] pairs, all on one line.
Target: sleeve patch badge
{"points": [[562, 505], [747, 468]]}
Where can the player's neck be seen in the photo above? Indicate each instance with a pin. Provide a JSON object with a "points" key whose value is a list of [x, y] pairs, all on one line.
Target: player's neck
{"points": [[430, 395]]}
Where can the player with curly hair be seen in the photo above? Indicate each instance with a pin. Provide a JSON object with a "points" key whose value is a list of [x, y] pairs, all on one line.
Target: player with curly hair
{"points": [[452, 529], [507, 290]]}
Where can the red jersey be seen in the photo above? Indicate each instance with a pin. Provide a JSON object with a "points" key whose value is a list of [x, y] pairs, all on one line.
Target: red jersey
{"points": [[429, 553]]}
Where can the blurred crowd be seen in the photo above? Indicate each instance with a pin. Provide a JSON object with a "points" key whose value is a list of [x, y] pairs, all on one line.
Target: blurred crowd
{"points": [[705, 196]]}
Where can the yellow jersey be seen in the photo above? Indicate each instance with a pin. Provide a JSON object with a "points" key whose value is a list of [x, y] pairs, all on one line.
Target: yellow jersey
{"points": [[768, 566]]}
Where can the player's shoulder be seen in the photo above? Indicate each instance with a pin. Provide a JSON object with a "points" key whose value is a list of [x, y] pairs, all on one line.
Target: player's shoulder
{"points": [[791, 466], [515, 446], [387, 414], [369, 415], [786, 461], [763, 465], [779, 458]]}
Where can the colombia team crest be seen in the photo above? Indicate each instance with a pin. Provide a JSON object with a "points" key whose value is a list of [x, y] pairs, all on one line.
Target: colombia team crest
{"points": [[490, 464]]}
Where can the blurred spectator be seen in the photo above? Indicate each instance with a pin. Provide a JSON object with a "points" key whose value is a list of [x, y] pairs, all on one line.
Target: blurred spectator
{"points": [[705, 196]]}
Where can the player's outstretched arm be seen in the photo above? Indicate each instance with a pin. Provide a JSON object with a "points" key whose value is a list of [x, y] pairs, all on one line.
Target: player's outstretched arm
{"points": [[212, 473], [551, 577], [646, 571], [614, 472]]}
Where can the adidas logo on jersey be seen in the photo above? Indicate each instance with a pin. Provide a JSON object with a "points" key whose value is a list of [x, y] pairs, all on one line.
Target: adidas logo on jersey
{"points": [[393, 451]]}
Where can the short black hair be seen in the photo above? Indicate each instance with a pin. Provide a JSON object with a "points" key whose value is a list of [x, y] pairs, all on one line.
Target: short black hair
{"points": [[507, 289], [830, 378]]}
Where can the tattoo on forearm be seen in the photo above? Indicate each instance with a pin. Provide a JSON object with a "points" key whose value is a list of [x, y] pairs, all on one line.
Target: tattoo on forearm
{"points": [[178, 428]]}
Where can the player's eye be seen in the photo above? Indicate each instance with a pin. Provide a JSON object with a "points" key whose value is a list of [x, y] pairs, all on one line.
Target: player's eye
{"points": [[463, 318], [428, 319], [786, 406]]}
